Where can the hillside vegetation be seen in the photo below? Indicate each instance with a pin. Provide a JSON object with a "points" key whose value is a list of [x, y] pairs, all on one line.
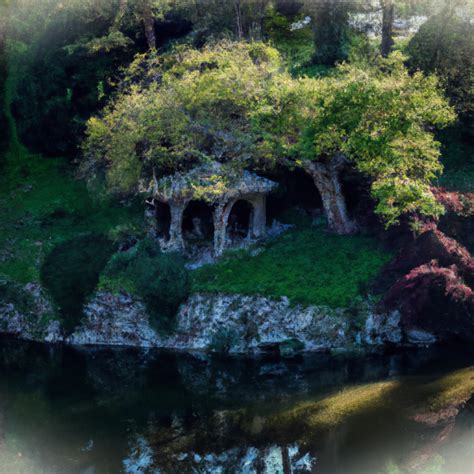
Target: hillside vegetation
{"points": [[124, 94]]}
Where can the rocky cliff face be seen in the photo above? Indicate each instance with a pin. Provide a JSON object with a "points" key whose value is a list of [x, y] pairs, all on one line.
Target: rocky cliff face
{"points": [[32, 320], [222, 323]]}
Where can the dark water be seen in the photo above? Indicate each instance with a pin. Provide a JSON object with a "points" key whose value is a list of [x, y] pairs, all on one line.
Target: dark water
{"points": [[65, 410]]}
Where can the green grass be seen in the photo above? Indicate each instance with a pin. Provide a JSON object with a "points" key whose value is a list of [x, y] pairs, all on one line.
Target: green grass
{"points": [[42, 208], [308, 265]]}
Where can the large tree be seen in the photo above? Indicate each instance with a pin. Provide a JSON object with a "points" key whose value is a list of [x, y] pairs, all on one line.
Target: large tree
{"points": [[445, 45], [179, 110], [233, 103], [377, 119]]}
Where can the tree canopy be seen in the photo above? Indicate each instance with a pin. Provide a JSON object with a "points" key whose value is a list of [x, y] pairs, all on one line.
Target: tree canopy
{"points": [[188, 107], [234, 103], [380, 118], [445, 46]]}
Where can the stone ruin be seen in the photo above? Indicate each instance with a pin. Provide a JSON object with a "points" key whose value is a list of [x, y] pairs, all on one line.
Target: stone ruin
{"points": [[213, 188]]}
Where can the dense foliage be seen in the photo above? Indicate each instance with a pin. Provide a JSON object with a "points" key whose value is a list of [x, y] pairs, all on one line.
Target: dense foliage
{"points": [[378, 117], [249, 83], [198, 108], [160, 279], [445, 45], [69, 52], [67, 57], [233, 102]]}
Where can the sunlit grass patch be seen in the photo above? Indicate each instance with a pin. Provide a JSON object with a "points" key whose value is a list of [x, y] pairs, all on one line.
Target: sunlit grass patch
{"points": [[309, 266]]}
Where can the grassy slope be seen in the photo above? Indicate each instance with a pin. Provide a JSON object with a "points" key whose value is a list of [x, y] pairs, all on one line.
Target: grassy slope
{"points": [[308, 265], [42, 205]]}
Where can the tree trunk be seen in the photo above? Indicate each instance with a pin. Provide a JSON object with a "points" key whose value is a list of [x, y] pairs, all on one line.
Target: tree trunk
{"points": [[119, 16], [176, 242], [149, 23], [326, 180], [238, 16], [221, 217], [387, 27]]}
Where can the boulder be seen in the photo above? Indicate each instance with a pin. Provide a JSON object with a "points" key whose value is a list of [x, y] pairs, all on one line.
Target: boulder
{"points": [[30, 314]]}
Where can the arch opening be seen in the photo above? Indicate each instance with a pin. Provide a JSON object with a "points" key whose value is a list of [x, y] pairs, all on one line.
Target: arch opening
{"points": [[198, 223], [239, 224], [297, 194], [163, 219]]}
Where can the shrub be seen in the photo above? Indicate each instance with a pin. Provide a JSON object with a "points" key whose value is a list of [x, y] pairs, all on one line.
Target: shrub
{"points": [[161, 280], [71, 272], [444, 44]]}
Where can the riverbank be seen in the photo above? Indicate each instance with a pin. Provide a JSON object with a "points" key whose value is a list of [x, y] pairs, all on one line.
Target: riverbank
{"points": [[226, 324]]}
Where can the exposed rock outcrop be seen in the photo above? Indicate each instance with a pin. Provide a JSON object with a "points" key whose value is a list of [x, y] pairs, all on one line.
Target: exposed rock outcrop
{"points": [[230, 324], [32, 320]]}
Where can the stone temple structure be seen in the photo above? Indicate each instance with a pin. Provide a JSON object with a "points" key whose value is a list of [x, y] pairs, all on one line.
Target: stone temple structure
{"points": [[214, 186]]}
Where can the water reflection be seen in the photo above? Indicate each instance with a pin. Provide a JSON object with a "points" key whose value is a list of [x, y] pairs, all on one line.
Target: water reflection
{"points": [[65, 410]]}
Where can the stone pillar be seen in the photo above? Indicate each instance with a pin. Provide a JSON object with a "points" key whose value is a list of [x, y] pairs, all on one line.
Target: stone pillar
{"points": [[176, 241], [221, 217], [259, 216]]}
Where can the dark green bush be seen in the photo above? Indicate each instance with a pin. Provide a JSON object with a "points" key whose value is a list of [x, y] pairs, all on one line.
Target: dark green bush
{"points": [[3, 118], [71, 272], [161, 280], [445, 45]]}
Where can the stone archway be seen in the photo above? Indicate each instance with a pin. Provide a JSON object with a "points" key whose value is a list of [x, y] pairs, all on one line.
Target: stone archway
{"points": [[178, 191], [256, 219], [239, 223], [157, 219], [198, 222], [163, 220]]}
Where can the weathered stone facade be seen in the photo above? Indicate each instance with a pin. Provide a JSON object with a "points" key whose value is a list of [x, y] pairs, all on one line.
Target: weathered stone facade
{"points": [[217, 186]]}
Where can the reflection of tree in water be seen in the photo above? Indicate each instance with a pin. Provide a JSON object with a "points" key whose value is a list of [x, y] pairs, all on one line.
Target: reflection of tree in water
{"points": [[102, 406]]}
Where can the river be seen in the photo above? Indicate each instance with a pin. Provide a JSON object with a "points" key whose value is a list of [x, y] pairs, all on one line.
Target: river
{"points": [[110, 410]]}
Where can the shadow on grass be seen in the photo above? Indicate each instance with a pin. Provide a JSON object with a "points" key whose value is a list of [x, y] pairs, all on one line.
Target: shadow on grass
{"points": [[71, 272]]}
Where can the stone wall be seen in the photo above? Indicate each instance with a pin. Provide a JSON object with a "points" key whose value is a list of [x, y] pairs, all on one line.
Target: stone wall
{"points": [[221, 323]]}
